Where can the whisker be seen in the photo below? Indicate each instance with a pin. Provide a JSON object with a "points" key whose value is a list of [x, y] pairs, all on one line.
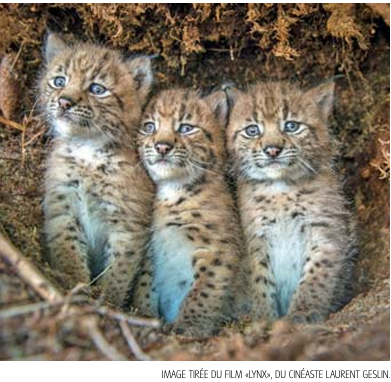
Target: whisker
{"points": [[191, 169], [307, 166], [202, 168]]}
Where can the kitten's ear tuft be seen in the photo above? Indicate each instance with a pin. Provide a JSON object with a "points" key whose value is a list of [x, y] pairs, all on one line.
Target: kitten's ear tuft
{"points": [[323, 95], [54, 44], [218, 101], [141, 70]]}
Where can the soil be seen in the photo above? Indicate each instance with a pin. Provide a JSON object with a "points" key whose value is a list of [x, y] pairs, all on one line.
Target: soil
{"points": [[202, 46]]}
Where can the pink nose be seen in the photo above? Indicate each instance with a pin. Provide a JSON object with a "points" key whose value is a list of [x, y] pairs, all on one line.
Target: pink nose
{"points": [[272, 151], [65, 103], [163, 147]]}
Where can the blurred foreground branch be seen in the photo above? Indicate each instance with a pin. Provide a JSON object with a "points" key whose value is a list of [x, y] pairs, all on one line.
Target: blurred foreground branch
{"points": [[28, 272], [89, 313]]}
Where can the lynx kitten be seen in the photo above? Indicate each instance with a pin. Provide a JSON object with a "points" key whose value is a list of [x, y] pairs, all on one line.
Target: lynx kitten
{"points": [[97, 200], [292, 211], [195, 245]]}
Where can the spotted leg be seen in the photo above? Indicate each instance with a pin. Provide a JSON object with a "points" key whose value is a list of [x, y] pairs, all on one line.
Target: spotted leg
{"points": [[204, 309], [262, 287], [123, 252], [145, 299], [67, 247], [313, 298]]}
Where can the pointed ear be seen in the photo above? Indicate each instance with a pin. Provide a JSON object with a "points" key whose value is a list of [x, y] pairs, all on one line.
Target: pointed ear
{"points": [[141, 70], [323, 95], [218, 101], [54, 44], [233, 93]]}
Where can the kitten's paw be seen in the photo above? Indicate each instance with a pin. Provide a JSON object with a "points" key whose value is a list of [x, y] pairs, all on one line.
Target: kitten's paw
{"points": [[166, 328], [311, 317], [194, 330]]}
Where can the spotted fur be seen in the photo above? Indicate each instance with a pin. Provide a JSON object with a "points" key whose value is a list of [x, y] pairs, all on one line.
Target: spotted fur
{"points": [[98, 199], [292, 211], [195, 247]]}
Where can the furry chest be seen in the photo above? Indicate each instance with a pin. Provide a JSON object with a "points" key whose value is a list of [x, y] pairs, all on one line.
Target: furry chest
{"points": [[90, 208], [286, 246], [88, 160], [93, 225], [173, 272]]}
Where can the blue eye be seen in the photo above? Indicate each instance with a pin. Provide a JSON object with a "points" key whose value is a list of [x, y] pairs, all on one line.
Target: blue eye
{"points": [[149, 128], [59, 82], [291, 126], [185, 129], [98, 90], [252, 131]]}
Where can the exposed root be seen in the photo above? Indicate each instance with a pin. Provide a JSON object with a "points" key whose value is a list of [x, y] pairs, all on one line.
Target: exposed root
{"points": [[28, 272], [383, 165], [11, 124], [138, 321], [87, 314], [132, 343], [90, 324], [20, 310]]}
